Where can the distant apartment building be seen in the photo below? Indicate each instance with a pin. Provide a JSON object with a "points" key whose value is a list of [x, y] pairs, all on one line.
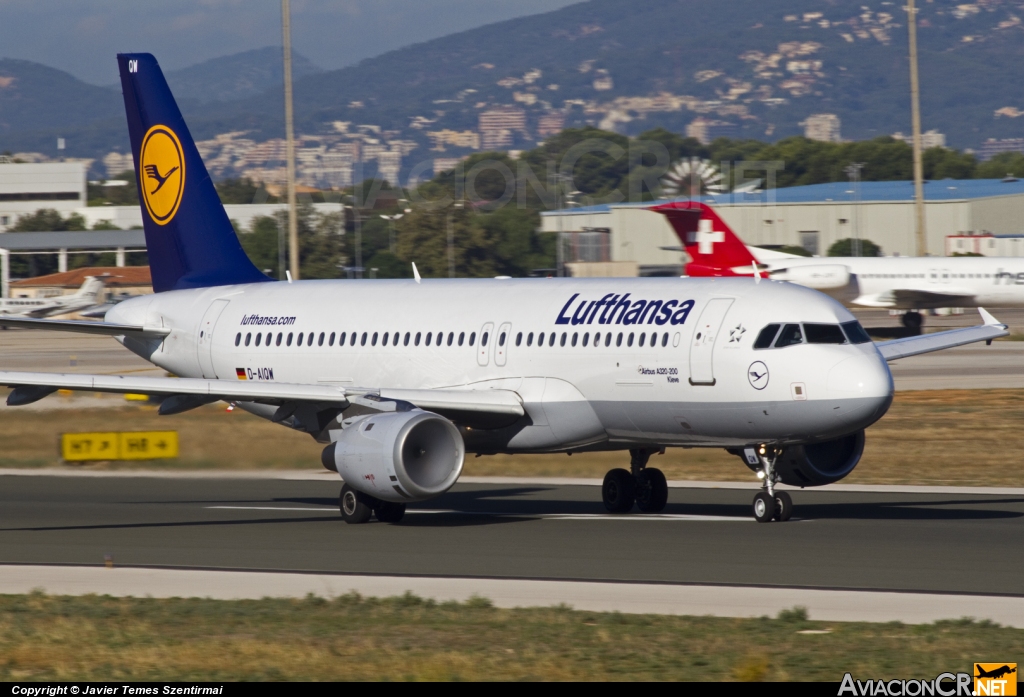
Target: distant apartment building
{"points": [[457, 139], [823, 127], [445, 164], [389, 164], [550, 124], [992, 147], [116, 163], [929, 139], [707, 130], [27, 187], [498, 127]]}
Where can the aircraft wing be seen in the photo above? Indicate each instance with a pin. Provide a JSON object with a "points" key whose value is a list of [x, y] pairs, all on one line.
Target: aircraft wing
{"points": [[85, 327], [918, 299], [926, 343], [182, 394]]}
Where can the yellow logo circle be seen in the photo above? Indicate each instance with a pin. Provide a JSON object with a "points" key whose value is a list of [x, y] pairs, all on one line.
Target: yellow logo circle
{"points": [[163, 173]]}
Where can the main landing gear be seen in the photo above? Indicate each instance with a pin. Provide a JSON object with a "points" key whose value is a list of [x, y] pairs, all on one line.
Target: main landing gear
{"points": [[641, 485], [357, 507], [770, 504], [913, 319]]}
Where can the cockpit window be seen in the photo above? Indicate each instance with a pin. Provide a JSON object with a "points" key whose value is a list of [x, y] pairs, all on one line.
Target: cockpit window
{"points": [[824, 334], [855, 333], [789, 335], [767, 336]]}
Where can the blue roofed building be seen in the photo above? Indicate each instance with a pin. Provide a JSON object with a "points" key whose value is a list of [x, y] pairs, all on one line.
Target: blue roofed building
{"points": [[812, 217]]}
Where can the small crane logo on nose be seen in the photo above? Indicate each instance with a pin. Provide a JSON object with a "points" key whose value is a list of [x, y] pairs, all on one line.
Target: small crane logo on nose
{"points": [[757, 374]]}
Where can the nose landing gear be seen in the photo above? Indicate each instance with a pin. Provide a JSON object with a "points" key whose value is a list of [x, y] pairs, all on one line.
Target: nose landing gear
{"points": [[642, 485], [770, 504]]}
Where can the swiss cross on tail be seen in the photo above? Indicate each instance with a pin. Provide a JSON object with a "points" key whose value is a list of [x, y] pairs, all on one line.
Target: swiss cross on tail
{"points": [[713, 247]]}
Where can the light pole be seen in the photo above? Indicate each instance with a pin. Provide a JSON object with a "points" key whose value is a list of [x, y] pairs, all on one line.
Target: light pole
{"points": [[853, 172], [359, 236], [451, 240], [391, 236], [915, 123], [293, 225]]}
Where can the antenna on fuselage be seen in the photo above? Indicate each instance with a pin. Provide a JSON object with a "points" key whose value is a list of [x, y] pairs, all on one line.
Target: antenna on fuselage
{"points": [[757, 273], [416, 273]]}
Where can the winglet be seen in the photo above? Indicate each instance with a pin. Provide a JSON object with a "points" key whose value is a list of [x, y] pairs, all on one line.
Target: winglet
{"points": [[416, 273], [989, 319]]}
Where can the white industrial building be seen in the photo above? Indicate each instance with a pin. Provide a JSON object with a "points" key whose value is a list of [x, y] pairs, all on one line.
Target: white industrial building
{"points": [[27, 187], [812, 217]]}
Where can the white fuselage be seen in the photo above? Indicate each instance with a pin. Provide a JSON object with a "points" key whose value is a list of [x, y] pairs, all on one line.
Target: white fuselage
{"points": [[911, 282], [674, 369]]}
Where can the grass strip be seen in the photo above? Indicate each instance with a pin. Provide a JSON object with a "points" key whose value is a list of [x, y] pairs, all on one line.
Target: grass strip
{"points": [[928, 437], [407, 638]]}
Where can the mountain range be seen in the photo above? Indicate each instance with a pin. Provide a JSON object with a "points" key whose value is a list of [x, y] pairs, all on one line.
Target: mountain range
{"points": [[762, 67]]}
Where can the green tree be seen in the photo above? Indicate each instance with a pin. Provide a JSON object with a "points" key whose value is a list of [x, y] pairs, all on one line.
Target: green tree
{"points": [[1002, 165], [127, 195], [846, 247], [943, 163], [242, 190], [261, 244]]}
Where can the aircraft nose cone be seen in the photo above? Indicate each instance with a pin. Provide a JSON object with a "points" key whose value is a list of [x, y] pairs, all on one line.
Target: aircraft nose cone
{"points": [[861, 376]]}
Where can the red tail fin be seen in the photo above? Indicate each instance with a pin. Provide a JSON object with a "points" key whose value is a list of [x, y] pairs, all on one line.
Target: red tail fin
{"points": [[713, 247]]}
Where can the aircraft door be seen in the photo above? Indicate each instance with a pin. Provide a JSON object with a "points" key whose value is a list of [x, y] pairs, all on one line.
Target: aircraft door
{"points": [[205, 339], [703, 343], [483, 348], [504, 340]]}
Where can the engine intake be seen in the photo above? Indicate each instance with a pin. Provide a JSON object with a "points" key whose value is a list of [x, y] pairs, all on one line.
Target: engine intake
{"points": [[398, 456], [816, 464]]}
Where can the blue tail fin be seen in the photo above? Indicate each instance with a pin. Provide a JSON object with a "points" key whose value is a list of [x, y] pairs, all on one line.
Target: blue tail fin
{"points": [[190, 240]]}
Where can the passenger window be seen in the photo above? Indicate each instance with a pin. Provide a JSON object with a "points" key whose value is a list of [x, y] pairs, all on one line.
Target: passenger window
{"points": [[586, 338], [501, 339], [608, 339], [238, 338], [789, 335], [289, 342], [562, 343], [362, 339], [373, 340], [574, 335], [309, 342], [767, 336], [597, 338], [483, 338], [640, 339], [824, 334], [462, 335], [440, 338], [529, 339], [519, 339], [472, 338], [551, 339], [416, 341], [664, 339], [405, 341], [618, 340], [279, 337], [299, 341], [248, 337], [855, 332], [540, 339], [629, 341], [451, 338], [320, 341], [259, 336]]}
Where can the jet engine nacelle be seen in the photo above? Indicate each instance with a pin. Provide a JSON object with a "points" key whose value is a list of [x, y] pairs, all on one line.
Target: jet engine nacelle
{"points": [[398, 456], [817, 276], [816, 464]]}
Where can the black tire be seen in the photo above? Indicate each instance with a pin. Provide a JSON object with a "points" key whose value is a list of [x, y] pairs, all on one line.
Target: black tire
{"points": [[388, 512], [651, 490], [913, 320], [764, 507], [618, 491], [783, 506], [355, 509]]}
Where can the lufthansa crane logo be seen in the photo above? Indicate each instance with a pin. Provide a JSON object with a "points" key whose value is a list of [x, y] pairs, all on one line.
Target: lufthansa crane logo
{"points": [[163, 173], [757, 374]]}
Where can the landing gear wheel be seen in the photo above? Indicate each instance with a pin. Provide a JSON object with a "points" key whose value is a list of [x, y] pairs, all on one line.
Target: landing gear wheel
{"points": [[783, 506], [618, 491], [764, 507], [912, 320], [354, 507], [388, 512], [651, 490]]}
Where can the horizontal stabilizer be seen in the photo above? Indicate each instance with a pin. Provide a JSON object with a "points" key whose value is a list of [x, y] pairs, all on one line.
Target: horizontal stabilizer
{"points": [[85, 327], [926, 343]]}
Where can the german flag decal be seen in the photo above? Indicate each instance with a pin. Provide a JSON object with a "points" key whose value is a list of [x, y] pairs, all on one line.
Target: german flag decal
{"points": [[240, 372]]}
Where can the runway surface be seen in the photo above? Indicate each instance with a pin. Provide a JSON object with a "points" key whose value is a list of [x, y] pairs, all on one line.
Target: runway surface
{"points": [[935, 542]]}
